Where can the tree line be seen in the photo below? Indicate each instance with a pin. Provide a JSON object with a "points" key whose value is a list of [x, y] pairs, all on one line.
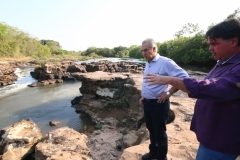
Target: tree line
{"points": [[15, 43], [189, 46]]}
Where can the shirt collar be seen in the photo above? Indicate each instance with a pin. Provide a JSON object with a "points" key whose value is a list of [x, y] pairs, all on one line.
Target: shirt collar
{"points": [[155, 58], [232, 59]]}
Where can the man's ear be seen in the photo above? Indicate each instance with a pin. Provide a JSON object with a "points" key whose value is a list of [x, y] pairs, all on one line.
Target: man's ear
{"points": [[154, 48], [234, 41]]}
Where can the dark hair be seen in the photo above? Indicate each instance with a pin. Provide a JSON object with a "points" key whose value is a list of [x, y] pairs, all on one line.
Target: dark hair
{"points": [[227, 29]]}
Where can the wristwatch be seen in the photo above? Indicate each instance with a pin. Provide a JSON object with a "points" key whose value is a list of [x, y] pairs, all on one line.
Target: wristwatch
{"points": [[168, 93]]}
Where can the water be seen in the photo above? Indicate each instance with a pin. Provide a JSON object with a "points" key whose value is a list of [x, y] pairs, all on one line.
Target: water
{"points": [[41, 104], [24, 78], [113, 60]]}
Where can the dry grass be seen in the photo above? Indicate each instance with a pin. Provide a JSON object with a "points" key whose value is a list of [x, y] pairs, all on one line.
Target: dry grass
{"points": [[10, 59], [5, 60]]}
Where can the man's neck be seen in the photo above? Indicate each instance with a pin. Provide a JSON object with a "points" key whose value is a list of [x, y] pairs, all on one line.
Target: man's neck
{"points": [[152, 58]]}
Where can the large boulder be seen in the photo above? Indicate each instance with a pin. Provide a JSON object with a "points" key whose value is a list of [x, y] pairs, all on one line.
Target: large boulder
{"points": [[19, 140], [104, 93], [61, 144], [7, 75], [48, 71]]}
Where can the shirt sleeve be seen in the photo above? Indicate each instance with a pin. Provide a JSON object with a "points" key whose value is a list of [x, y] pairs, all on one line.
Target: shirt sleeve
{"points": [[175, 71], [223, 88]]}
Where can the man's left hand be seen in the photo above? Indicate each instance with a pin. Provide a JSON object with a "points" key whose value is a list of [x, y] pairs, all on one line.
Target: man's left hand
{"points": [[162, 97]]}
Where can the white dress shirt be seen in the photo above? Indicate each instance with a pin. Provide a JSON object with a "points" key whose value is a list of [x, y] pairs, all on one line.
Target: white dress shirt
{"points": [[160, 66]]}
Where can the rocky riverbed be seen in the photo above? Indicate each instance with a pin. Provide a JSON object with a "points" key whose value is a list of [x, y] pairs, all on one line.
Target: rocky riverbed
{"points": [[110, 94]]}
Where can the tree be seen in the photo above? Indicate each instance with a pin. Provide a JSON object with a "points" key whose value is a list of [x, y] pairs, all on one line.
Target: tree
{"points": [[3, 31], [235, 14], [135, 52], [54, 46], [90, 50], [15, 43], [122, 54], [118, 50], [188, 28], [162, 49], [106, 52]]}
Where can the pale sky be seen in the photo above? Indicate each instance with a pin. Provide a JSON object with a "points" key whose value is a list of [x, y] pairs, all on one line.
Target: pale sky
{"points": [[79, 24]]}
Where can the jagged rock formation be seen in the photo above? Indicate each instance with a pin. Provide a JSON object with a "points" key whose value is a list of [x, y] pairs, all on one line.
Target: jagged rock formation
{"points": [[7, 75], [105, 92], [56, 73], [19, 140]]}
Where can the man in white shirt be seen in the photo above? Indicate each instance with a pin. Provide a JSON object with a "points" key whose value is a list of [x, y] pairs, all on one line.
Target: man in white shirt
{"points": [[155, 98]]}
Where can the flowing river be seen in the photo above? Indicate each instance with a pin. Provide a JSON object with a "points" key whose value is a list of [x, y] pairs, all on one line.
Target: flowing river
{"points": [[41, 104]]}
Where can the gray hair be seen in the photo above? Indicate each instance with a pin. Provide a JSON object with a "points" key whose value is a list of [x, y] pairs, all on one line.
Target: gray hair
{"points": [[151, 43]]}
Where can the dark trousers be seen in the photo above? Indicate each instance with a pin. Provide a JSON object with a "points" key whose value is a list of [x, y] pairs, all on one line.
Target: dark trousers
{"points": [[156, 117]]}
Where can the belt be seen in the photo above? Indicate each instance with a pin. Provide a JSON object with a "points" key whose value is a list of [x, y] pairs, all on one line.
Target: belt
{"points": [[151, 100]]}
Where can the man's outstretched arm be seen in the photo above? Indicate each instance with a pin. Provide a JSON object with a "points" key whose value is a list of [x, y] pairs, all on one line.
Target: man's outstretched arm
{"points": [[173, 81]]}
